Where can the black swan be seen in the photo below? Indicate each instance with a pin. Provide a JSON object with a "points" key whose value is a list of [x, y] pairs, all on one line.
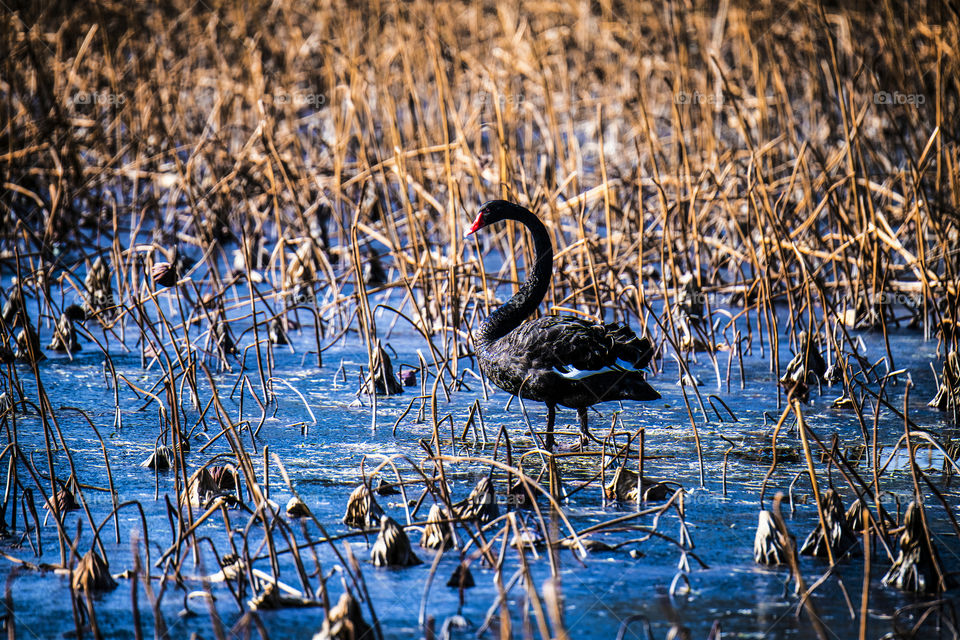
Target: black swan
{"points": [[556, 359]]}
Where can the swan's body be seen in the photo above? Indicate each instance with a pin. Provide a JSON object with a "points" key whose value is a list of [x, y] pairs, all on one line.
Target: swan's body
{"points": [[557, 360]]}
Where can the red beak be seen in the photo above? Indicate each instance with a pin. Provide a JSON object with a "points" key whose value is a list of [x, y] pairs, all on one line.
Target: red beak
{"points": [[476, 225]]}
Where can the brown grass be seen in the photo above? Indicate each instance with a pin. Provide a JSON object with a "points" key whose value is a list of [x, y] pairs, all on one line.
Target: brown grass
{"points": [[746, 158]]}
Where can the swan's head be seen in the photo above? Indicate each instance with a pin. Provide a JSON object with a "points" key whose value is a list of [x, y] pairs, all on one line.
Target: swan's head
{"points": [[494, 211]]}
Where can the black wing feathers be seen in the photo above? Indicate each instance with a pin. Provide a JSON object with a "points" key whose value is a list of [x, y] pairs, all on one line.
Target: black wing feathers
{"points": [[563, 341]]}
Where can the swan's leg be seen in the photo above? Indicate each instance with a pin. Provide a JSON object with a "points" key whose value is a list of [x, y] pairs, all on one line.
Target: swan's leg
{"points": [[551, 416], [585, 434], [584, 429]]}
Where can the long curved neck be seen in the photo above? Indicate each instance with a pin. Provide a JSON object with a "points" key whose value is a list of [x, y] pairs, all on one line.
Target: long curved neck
{"points": [[525, 301]]}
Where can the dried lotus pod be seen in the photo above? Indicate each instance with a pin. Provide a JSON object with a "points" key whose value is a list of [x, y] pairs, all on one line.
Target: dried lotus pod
{"points": [[223, 339], [297, 508], [215, 481], [808, 362], [481, 504], [99, 295], [518, 496], [948, 394], [164, 274], [462, 578], [623, 487], [12, 307], [363, 512], [392, 547], [75, 312], [678, 632], [384, 382], [277, 334], [64, 336], [385, 488], [301, 273], [345, 621], [915, 568], [690, 298], [28, 345], [436, 533], [160, 460], [64, 499], [769, 545], [233, 568], [201, 487], [271, 599], [373, 272], [225, 476], [839, 537], [854, 516], [92, 574], [526, 537]]}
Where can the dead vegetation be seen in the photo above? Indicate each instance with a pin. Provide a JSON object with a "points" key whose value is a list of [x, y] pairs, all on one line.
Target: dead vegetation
{"points": [[205, 185]]}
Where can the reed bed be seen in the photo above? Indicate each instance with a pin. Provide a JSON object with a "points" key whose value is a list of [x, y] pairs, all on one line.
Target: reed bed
{"points": [[196, 183]]}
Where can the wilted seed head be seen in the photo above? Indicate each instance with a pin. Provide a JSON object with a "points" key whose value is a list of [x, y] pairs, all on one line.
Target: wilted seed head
{"points": [[915, 568], [385, 488], [215, 481], [807, 364], [225, 476], [345, 621], [28, 345], [296, 508], [526, 537], [272, 599], [624, 483], [769, 544], [64, 500], [201, 487], [363, 512], [160, 460], [948, 395], [99, 287], [392, 547], [75, 312], [221, 334], [462, 578], [277, 334], [690, 299], [436, 533], [854, 516], [64, 336], [11, 308], [92, 574], [838, 536], [373, 273], [164, 274], [481, 504], [301, 269], [381, 371]]}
